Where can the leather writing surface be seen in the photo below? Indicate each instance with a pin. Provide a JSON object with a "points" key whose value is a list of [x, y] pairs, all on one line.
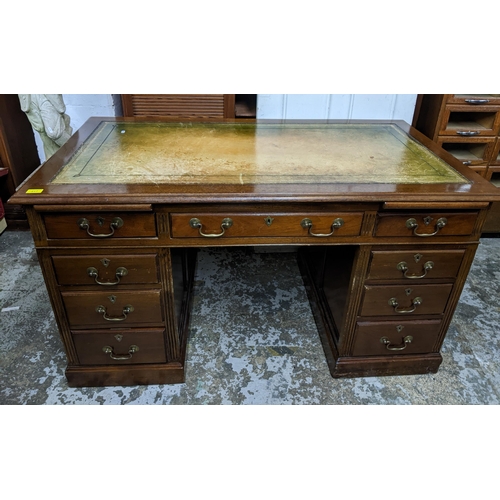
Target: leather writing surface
{"points": [[201, 153]]}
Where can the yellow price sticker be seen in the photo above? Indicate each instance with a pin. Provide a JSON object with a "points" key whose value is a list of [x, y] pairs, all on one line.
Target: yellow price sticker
{"points": [[34, 191]]}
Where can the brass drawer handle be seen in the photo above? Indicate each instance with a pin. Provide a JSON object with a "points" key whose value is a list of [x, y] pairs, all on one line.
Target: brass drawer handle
{"points": [[405, 310], [225, 224], [307, 224], [131, 350], [403, 266], [115, 224], [413, 224], [467, 133], [406, 340], [126, 311], [120, 272]]}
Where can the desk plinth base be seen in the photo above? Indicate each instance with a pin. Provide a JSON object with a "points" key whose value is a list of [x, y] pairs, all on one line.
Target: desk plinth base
{"points": [[349, 367], [101, 376]]}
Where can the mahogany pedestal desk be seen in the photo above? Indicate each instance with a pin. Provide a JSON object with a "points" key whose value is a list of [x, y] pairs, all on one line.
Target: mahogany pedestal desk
{"points": [[386, 224]]}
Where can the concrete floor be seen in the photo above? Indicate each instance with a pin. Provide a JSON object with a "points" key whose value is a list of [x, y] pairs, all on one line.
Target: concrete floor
{"points": [[248, 351]]}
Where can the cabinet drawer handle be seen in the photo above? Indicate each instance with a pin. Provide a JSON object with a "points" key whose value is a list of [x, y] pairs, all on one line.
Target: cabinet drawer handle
{"points": [[115, 224], [403, 266], [225, 224], [412, 224], [307, 224], [467, 133], [131, 350], [405, 310], [120, 272], [477, 101], [126, 311], [406, 340]]}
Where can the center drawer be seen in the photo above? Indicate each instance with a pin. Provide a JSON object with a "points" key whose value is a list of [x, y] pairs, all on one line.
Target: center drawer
{"points": [[113, 309], [106, 270], [211, 225], [403, 300]]}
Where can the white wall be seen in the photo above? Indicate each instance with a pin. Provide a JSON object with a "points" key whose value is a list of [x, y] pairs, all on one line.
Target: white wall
{"points": [[80, 107], [337, 106]]}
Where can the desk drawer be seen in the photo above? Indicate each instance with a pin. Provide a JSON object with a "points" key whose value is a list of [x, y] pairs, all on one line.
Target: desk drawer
{"points": [[415, 264], [119, 347], [210, 225], [112, 309], [100, 225], [106, 270], [389, 338], [427, 225], [403, 300]]}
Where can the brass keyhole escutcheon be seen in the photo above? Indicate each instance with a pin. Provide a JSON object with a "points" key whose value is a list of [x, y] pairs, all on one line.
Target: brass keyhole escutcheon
{"points": [[268, 220]]}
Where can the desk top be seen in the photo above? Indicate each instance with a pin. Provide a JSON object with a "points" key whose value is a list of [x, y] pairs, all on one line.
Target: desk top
{"points": [[232, 153], [116, 160]]}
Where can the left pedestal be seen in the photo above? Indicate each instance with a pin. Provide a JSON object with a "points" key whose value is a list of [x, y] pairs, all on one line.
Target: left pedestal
{"points": [[121, 300]]}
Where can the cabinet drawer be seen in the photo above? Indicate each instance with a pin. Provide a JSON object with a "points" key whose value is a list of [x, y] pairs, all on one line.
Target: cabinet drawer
{"points": [[265, 225], [470, 121], [402, 300], [473, 151], [395, 337], [119, 346], [433, 224], [100, 225], [474, 99], [495, 160], [105, 270], [415, 264], [112, 309]]}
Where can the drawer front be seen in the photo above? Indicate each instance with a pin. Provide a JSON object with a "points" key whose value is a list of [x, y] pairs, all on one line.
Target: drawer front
{"points": [[473, 100], [415, 264], [113, 309], [105, 270], [307, 225], [96, 226], [496, 154], [470, 121], [389, 338], [427, 225], [120, 347], [402, 300], [469, 150]]}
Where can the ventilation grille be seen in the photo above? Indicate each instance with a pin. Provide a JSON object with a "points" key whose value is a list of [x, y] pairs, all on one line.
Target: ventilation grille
{"points": [[185, 105]]}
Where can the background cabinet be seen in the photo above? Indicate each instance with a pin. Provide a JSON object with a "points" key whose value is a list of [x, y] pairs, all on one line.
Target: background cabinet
{"points": [[18, 155], [468, 127]]}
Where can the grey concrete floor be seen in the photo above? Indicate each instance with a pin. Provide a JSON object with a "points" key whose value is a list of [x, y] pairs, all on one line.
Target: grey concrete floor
{"points": [[252, 340]]}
